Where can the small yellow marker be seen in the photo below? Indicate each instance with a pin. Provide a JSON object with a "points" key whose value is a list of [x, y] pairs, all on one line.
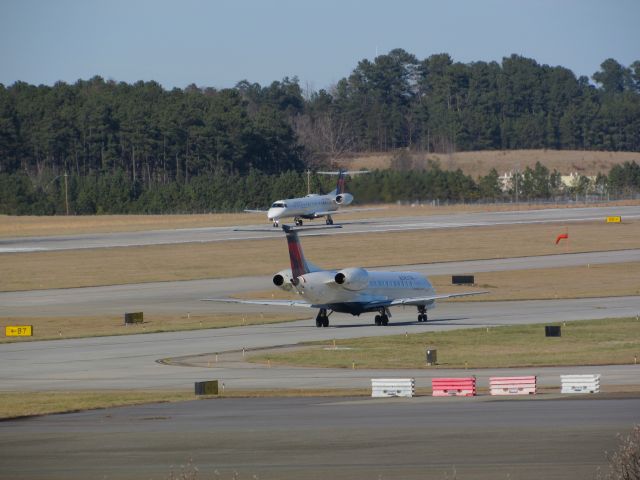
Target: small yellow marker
{"points": [[615, 219], [18, 331]]}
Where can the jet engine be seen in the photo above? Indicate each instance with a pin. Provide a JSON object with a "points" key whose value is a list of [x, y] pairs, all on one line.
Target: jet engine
{"points": [[283, 280], [343, 199], [352, 278]]}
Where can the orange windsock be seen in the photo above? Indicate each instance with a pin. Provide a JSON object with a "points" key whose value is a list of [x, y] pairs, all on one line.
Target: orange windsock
{"points": [[561, 236]]}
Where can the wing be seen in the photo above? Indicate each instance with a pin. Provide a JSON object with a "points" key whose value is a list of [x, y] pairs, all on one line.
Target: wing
{"points": [[346, 210], [428, 299], [431, 298], [277, 303], [254, 211]]}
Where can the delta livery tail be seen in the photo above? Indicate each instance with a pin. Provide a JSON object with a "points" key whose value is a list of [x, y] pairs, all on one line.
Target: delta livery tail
{"points": [[352, 290]]}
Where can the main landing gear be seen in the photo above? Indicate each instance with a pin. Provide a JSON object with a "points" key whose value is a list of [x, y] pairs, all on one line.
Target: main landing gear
{"points": [[329, 220], [275, 224], [422, 313], [298, 221], [322, 320], [383, 318]]}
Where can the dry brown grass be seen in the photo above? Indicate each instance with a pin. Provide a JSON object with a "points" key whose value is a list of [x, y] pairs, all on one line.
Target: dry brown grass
{"points": [[12, 226], [43, 270], [47, 328], [21, 404], [480, 163], [612, 341], [612, 280]]}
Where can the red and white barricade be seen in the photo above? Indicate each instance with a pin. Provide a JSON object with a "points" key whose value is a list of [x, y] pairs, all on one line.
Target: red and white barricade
{"points": [[513, 385], [450, 387]]}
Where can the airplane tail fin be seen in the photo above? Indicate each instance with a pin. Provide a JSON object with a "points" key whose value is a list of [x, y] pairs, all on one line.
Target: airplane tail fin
{"points": [[340, 183], [340, 188], [299, 265]]}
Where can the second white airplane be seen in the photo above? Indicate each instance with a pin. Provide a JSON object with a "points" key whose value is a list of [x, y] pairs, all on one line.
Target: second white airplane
{"points": [[350, 290], [313, 205]]}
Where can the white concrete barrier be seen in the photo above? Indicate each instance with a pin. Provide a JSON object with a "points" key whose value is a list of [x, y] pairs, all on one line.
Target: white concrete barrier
{"points": [[393, 387], [513, 385], [580, 383]]}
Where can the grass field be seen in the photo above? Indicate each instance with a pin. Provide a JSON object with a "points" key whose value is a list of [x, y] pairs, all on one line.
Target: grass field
{"points": [[48, 328], [22, 404], [480, 163], [91, 267], [593, 342]]}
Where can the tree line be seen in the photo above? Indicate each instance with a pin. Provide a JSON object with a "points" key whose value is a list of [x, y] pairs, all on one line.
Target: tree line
{"points": [[155, 144], [117, 193]]}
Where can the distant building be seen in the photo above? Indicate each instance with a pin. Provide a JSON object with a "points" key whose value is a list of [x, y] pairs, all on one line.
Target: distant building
{"points": [[573, 179], [506, 181], [568, 181]]}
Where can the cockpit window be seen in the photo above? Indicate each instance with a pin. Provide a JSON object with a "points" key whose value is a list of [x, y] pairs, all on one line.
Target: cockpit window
{"points": [[279, 205]]}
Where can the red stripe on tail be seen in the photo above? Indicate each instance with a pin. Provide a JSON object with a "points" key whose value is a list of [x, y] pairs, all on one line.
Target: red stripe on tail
{"points": [[298, 263]]}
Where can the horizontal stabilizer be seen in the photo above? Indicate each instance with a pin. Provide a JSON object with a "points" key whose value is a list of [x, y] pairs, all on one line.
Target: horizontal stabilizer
{"points": [[281, 303], [293, 228], [344, 172]]}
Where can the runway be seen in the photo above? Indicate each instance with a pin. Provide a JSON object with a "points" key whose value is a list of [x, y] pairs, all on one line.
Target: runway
{"points": [[390, 224], [315, 438]]}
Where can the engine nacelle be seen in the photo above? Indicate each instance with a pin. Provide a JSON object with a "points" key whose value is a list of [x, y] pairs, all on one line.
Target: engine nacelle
{"points": [[343, 199], [283, 280], [352, 278]]}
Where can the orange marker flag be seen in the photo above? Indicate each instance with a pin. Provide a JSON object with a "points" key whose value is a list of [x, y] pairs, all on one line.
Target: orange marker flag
{"points": [[561, 236]]}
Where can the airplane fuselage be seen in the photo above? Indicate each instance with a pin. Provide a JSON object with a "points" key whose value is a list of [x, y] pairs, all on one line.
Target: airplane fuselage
{"points": [[304, 207], [321, 288]]}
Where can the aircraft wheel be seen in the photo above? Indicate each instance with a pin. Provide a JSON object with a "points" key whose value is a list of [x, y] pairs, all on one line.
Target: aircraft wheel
{"points": [[378, 320], [385, 320], [329, 221], [325, 322], [318, 322]]}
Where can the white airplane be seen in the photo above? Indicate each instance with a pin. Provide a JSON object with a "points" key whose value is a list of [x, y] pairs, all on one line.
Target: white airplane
{"points": [[350, 290], [313, 205]]}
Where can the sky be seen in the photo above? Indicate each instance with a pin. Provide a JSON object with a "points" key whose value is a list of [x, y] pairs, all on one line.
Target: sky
{"points": [[219, 43]]}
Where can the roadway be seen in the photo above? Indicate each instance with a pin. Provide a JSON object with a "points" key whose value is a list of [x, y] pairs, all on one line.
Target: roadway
{"points": [[389, 224], [319, 438]]}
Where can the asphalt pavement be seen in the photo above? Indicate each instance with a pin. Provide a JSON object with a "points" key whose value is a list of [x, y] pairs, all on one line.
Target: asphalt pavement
{"points": [[323, 438]]}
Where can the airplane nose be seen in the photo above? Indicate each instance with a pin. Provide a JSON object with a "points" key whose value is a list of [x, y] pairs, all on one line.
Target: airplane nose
{"points": [[273, 213]]}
